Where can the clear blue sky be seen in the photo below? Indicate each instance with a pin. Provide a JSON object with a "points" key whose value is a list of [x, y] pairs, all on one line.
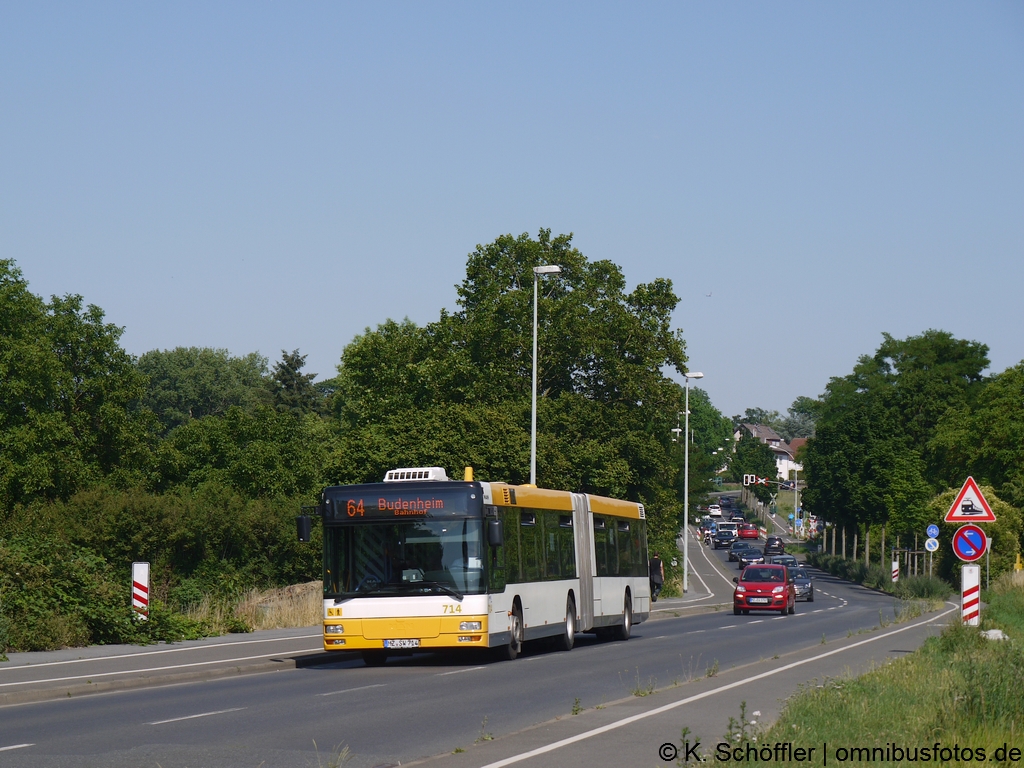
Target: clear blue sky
{"points": [[265, 176]]}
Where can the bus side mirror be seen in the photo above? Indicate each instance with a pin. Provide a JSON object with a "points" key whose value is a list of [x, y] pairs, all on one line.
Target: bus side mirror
{"points": [[495, 533], [303, 525]]}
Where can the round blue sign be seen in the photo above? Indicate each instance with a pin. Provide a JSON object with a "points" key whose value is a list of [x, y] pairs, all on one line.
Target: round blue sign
{"points": [[933, 531], [969, 543]]}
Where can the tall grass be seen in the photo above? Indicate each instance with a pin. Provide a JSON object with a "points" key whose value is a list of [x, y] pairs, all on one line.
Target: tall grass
{"points": [[298, 605]]}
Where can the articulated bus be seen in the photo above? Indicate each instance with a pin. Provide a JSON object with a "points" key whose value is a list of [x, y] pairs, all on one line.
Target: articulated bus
{"points": [[423, 562]]}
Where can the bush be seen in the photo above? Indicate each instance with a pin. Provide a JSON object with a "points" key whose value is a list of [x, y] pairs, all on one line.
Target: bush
{"points": [[877, 577], [211, 543]]}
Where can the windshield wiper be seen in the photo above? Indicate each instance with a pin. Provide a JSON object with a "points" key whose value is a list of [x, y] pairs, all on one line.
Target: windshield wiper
{"points": [[443, 587]]}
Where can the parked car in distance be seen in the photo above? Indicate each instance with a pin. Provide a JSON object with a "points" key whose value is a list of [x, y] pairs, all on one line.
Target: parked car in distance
{"points": [[787, 560], [736, 547], [786, 485], [764, 588], [723, 538], [749, 556], [773, 545], [803, 584], [749, 531]]}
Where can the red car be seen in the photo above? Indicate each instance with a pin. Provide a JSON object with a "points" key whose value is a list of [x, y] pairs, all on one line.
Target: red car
{"points": [[764, 588], [749, 531]]}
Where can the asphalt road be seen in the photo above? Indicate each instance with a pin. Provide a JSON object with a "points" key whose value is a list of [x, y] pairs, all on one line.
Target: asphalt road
{"points": [[423, 706]]}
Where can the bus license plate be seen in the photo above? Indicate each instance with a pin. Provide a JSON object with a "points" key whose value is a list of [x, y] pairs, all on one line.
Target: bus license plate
{"points": [[759, 600], [401, 643]]}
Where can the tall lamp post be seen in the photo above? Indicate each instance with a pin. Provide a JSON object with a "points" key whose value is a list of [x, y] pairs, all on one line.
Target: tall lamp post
{"points": [[543, 269], [686, 484]]}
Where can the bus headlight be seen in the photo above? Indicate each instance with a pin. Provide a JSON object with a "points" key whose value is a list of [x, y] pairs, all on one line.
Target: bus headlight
{"points": [[334, 629], [469, 626]]}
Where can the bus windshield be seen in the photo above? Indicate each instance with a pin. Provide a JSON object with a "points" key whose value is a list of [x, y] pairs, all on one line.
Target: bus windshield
{"points": [[417, 557]]}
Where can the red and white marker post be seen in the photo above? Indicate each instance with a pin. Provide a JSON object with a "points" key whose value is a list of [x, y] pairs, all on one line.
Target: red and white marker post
{"points": [[970, 598], [895, 571], [140, 590]]}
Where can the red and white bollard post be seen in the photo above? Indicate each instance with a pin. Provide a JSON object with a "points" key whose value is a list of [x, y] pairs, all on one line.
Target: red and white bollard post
{"points": [[895, 571], [140, 590], [970, 598]]}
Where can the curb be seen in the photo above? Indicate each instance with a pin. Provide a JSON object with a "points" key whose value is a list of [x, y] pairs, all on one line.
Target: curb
{"points": [[152, 681]]}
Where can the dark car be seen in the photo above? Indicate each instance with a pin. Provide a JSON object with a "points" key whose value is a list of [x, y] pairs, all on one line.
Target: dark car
{"points": [[803, 584], [723, 539], [749, 556], [787, 560], [764, 588], [773, 545], [736, 547]]}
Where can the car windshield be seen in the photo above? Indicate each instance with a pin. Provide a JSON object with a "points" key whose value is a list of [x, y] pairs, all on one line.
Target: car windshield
{"points": [[763, 574], [800, 573]]}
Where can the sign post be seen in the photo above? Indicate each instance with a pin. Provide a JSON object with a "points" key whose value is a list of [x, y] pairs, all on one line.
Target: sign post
{"points": [[970, 595], [140, 590], [895, 570]]}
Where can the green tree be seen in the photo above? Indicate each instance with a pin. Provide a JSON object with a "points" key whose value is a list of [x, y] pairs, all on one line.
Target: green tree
{"points": [[870, 459], [68, 414], [188, 383], [294, 391], [460, 387]]}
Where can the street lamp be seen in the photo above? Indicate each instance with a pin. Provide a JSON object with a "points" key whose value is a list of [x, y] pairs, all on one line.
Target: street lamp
{"points": [[686, 483], [543, 269]]}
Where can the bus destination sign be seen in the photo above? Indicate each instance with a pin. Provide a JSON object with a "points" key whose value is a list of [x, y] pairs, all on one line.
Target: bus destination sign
{"points": [[374, 504]]}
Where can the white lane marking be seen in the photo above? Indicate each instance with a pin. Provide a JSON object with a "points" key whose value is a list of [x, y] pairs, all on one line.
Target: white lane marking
{"points": [[16, 746], [349, 690], [458, 671], [757, 622], [155, 653], [659, 637], [715, 567], [833, 607], [148, 669], [675, 704], [193, 717], [818, 611], [695, 631], [729, 626]]}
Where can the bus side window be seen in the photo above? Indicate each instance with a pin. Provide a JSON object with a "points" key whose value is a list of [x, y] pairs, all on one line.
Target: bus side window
{"points": [[625, 549], [513, 546], [530, 532], [601, 546], [567, 546], [552, 568]]}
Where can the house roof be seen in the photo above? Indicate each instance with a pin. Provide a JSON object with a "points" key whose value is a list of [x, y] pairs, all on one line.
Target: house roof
{"points": [[762, 432]]}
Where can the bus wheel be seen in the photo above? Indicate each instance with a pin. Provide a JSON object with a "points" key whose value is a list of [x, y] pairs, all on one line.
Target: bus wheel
{"points": [[515, 644], [567, 639], [622, 631], [375, 658]]}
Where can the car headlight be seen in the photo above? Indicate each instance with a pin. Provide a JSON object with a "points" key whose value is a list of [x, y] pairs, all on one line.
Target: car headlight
{"points": [[469, 626], [740, 588], [777, 590], [334, 629]]}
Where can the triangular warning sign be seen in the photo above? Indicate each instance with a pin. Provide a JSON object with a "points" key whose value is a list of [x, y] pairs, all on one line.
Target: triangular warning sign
{"points": [[970, 506]]}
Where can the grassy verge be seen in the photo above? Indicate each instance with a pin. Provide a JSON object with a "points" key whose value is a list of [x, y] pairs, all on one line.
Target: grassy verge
{"points": [[299, 605], [958, 690]]}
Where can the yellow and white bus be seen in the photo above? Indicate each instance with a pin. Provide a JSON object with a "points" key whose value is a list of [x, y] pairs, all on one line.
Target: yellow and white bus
{"points": [[422, 562]]}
